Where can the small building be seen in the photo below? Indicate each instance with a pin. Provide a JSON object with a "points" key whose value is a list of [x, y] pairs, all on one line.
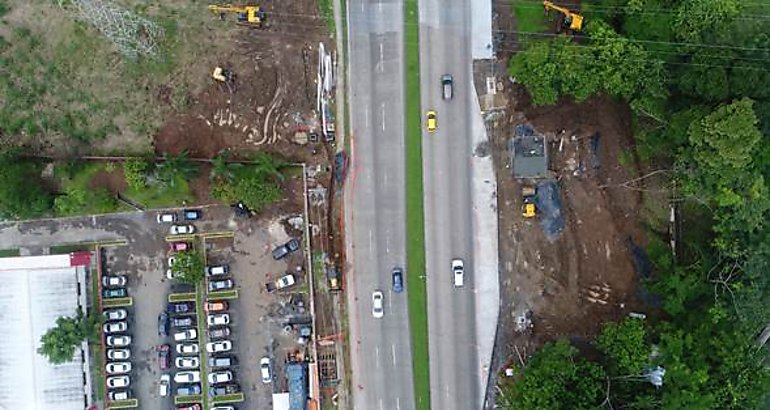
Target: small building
{"points": [[528, 153], [296, 373]]}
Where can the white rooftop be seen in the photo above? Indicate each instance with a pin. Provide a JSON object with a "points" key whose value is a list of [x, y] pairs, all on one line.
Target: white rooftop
{"points": [[35, 291]]}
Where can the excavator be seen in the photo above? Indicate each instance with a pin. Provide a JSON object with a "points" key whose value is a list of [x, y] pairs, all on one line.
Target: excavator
{"points": [[246, 15], [572, 21], [224, 76]]}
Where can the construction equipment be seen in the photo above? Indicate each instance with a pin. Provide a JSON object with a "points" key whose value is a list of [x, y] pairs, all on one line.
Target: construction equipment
{"points": [[224, 76], [571, 21], [246, 15], [528, 194]]}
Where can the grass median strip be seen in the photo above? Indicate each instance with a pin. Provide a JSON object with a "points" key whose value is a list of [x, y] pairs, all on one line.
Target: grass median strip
{"points": [[124, 404], [197, 398], [181, 297], [202, 343], [224, 294], [118, 302], [228, 398], [415, 261]]}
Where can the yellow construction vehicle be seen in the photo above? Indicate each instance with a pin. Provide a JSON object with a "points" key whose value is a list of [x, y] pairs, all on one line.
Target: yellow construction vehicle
{"points": [[528, 194], [224, 76], [246, 15], [572, 21]]}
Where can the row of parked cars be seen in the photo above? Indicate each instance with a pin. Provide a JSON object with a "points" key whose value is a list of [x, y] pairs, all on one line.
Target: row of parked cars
{"points": [[118, 341]]}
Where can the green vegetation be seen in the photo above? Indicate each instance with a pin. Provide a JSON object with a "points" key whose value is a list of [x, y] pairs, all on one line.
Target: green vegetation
{"points": [[124, 404], [228, 398], [326, 7], [181, 297], [529, 16], [188, 399], [78, 196], [69, 248], [118, 302], [188, 267], [22, 191], [58, 344], [255, 184], [4, 253], [224, 294], [415, 260], [96, 349], [200, 314], [709, 129]]}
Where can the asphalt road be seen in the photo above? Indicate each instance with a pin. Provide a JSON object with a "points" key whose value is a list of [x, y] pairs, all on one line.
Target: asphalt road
{"points": [[447, 153], [381, 354]]}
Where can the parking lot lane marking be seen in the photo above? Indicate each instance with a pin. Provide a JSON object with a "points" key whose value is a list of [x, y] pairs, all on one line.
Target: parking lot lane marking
{"points": [[393, 350], [382, 113], [398, 403], [380, 404], [377, 356], [371, 241]]}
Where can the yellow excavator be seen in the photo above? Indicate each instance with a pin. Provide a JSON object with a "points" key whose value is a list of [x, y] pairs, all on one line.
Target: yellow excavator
{"points": [[572, 21], [224, 76], [246, 15]]}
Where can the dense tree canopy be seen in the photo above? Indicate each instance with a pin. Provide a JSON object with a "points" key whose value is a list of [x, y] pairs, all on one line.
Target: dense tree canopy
{"points": [[22, 200], [188, 267], [58, 344]]}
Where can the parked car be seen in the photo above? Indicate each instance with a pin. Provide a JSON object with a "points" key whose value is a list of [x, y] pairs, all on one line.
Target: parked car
{"points": [[183, 362], [164, 356], [183, 321], [458, 272], [118, 341], [114, 281], [164, 385], [216, 306], [116, 382], [163, 324], [170, 274], [222, 408], [179, 246], [114, 293], [219, 332], [216, 285], [166, 218], [188, 376], [282, 251], [378, 309], [218, 270], [218, 319], [188, 390], [115, 314], [220, 377], [115, 327], [187, 348], [171, 260], [181, 230], [118, 367], [192, 214], [180, 307], [219, 347], [398, 280], [193, 406], [222, 390], [118, 395], [222, 361], [265, 371], [118, 354], [189, 334]]}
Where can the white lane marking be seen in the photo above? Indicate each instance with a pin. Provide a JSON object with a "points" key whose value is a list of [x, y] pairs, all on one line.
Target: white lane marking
{"points": [[366, 116], [382, 112], [362, 6], [393, 350], [377, 356], [371, 241], [398, 404], [380, 404], [381, 63]]}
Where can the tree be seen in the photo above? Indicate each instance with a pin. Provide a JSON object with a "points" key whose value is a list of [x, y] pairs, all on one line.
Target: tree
{"points": [[79, 200], [188, 267], [555, 378], [58, 344], [254, 184], [22, 190], [625, 346], [135, 173], [175, 167], [221, 170], [695, 19]]}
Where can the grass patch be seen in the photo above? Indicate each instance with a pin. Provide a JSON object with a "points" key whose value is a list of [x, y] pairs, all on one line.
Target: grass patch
{"points": [[224, 294], [118, 302], [199, 312], [97, 352], [123, 404], [326, 8], [181, 297], [79, 198], [197, 398], [415, 247], [228, 398], [76, 247], [162, 196], [530, 17], [4, 253]]}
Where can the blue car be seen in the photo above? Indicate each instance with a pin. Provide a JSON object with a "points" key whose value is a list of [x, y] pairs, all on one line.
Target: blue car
{"points": [[398, 280], [191, 214]]}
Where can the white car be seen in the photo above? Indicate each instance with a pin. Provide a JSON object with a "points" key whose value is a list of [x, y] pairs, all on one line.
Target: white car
{"points": [[119, 395], [114, 281], [166, 218], [220, 377], [187, 348], [187, 377], [218, 319], [219, 347], [181, 230], [189, 334], [264, 370], [171, 274], [118, 341], [458, 271], [115, 314], [187, 362], [378, 309], [118, 354], [115, 327], [118, 367], [222, 408], [116, 382], [171, 260], [165, 385]]}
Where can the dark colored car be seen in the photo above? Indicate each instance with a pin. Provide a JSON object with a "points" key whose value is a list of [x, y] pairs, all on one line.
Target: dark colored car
{"points": [[183, 321], [219, 332], [163, 324], [114, 293], [222, 390], [192, 214], [216, 285], [164, 356], [189, 390], [222, 361], [282, 251], [398, 280], [447, 91], [181, 307]]}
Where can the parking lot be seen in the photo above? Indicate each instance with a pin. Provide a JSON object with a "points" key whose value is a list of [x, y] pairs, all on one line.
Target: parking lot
{"points": [[262, 324]]}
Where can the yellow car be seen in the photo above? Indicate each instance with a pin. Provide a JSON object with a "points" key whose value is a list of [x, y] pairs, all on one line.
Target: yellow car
{"points": [[430, 121]]}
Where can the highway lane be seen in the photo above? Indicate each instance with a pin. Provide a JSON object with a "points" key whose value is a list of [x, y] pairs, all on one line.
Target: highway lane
{"points": [[375, 206], [447, 153]]}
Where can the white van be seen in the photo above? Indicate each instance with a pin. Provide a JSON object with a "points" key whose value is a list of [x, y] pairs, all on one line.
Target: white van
{"points": [[458, 272]]}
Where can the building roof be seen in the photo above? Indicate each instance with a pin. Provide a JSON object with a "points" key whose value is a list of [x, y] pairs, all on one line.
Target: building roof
{"points": [[35, 292], [528, 153], [296, 373]]}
